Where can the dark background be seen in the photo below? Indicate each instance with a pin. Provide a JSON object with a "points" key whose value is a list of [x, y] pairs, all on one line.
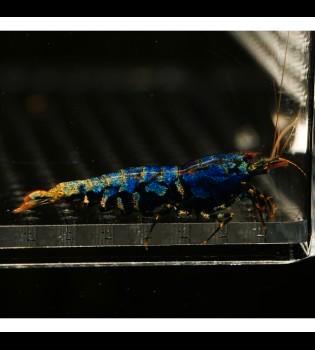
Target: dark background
{"points": [[224, 90], [280, 291]]}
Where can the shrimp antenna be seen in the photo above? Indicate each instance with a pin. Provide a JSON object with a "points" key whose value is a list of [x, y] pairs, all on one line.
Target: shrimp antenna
{"points": [[294, 165], [289, 128], [276, 135], [286, 144]]}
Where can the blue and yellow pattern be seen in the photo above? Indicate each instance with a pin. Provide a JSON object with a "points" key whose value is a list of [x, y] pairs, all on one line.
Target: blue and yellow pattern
{"points": [[202, 185]]}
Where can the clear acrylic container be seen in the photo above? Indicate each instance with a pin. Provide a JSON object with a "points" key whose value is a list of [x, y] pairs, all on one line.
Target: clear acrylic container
{"points": [[72, 110]]}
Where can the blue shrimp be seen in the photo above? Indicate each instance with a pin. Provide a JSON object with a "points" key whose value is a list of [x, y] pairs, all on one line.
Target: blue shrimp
{"points": [[208, 186]]}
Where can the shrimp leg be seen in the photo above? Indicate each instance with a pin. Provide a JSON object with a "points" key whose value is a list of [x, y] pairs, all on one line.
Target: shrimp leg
{"points": [[163, 210], [223, 219], [108, 193]]}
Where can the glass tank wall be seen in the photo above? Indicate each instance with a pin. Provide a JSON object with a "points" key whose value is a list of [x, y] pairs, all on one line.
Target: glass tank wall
{"points": [[77, 105]]}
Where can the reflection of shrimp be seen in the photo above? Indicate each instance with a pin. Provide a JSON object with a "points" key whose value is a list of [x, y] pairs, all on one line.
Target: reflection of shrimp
{"points": [[208, 186]]}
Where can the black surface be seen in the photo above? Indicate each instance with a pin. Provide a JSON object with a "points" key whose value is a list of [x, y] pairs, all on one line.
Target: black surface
{"points": [[279, 291]]}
